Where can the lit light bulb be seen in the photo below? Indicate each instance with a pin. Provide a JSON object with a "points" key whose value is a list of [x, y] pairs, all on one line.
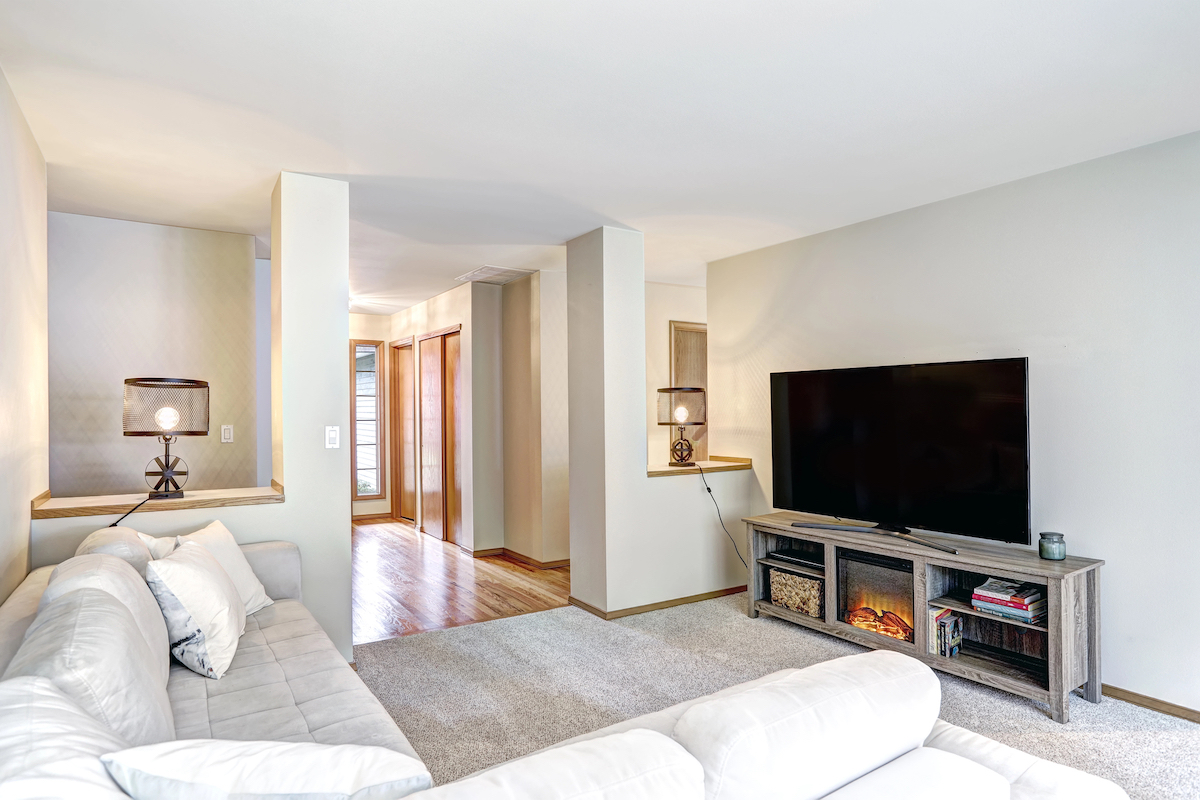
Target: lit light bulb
{"points": [[681, 415], [167, 418]]}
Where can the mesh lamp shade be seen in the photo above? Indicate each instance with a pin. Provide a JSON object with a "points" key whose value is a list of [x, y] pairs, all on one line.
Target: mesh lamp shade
{"points": [[165, 407], [681, 406]]}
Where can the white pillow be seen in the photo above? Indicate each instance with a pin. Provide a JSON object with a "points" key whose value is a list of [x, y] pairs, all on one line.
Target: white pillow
{"points": [[89, 646], [830, 723], [217, 540], [159, 546], [266, 770], [111, 574], [204, 614], [635, 765], [120, 542]]}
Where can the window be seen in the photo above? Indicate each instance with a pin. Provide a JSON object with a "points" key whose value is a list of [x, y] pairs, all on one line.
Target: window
{"points": [[366, 423]]}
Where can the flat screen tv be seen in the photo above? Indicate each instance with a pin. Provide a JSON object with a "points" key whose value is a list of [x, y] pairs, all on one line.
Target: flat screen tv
{"points": [[939, 447]]}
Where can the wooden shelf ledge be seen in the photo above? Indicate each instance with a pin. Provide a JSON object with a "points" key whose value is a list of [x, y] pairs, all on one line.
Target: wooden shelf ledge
{"points": [[46, 507], [715, 464]]}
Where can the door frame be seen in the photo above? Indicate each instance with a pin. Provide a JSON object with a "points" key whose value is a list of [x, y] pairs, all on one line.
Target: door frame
{"points": [[396, 429]]}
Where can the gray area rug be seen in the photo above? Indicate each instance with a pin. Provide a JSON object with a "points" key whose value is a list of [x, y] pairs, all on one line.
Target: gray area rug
{"points": [[471, 697]]}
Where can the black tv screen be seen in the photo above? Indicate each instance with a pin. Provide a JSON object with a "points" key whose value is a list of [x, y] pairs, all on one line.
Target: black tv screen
{"points": [[940, 447]]}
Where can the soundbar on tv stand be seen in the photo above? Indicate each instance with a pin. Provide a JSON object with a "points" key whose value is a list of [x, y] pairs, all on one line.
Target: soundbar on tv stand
{"points": [[900, 532]]}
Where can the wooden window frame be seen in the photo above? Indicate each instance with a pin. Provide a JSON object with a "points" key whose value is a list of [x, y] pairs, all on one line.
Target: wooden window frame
{"points": [[380, 421]]}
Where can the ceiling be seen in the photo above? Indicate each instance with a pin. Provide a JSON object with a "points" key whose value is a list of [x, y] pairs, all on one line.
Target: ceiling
{"points": [[492, 131]]}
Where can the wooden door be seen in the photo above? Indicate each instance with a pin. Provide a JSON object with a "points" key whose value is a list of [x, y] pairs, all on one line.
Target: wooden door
{"points": [[689, 367], [404, 433], [432, 383], [452, 397]]}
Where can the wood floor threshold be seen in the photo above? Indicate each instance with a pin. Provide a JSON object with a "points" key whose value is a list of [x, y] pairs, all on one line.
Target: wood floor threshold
{"points": [[1152, 703], [629, 612]]}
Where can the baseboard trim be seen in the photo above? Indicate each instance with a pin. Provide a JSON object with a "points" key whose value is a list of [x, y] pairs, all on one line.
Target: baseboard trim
{"points": [[372, 518], [495, 551], [1152, 703], [354, 666], [629, 612], [524, 559]]}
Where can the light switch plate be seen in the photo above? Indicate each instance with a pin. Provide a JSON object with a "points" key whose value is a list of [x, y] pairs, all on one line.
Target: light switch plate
{"points": [[333, 437], [226, 434]]}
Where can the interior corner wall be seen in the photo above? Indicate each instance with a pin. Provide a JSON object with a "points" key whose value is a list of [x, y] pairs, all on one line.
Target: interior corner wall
{"points": [[635, 540], [665, 303], [131, 299], [262, 370], [550, 366], [1089, 271], [24, 429], [376, 327], [477, 308], [310, 257]]}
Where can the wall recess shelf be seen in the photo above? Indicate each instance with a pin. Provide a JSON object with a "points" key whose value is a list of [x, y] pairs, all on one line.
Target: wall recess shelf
{"points": [[1044, 662], [46, 507]]}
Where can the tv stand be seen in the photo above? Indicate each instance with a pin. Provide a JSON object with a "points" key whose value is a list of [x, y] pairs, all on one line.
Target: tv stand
{"points": [[900, 532], [1045, 661]]}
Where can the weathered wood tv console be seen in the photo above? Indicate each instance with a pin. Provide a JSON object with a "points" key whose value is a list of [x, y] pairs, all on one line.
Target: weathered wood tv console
{"points": [[1045, 661]]}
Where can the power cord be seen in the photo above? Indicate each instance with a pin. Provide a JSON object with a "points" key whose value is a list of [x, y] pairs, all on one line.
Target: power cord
{"points": [[732, 541], [130, 511]]}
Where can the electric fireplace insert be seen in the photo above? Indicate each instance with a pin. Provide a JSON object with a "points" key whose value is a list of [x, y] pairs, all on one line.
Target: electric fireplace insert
{"points": [[875, 593]]}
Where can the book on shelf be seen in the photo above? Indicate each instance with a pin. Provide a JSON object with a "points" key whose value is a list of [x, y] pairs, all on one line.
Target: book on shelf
{"points": [[949, 635], [935, 616], [1017, 604], [1011, 613], [1011, 591], [1037, 609]]}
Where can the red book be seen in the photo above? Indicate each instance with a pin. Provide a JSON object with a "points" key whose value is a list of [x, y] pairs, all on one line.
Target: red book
{"points": [[1024, 606]]}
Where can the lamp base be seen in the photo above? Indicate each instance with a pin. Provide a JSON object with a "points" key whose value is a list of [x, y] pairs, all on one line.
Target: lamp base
{"points": [[682, 464], [166, 495]]}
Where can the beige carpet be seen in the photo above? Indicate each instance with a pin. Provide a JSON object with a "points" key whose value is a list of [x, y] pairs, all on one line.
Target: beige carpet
{"points": [[474, 696]]}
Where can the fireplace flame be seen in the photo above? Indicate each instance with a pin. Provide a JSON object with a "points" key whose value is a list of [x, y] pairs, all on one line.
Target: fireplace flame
{"points": [[885, 621]]}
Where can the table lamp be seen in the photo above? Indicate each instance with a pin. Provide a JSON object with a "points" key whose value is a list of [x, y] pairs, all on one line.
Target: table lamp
{"points": [[681, 406], [167, 408]]}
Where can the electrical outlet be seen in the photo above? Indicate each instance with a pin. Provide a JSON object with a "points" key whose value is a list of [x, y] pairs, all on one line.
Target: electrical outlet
{"points": [[226, 434], [332, 437]]}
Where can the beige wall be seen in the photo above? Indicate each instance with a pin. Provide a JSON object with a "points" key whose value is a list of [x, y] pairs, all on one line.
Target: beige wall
{"points": [[665, 302], [129, 299], [476, 307], [311, 295], [536, 454], [377, 328], [1092, 273], [23, 337]]}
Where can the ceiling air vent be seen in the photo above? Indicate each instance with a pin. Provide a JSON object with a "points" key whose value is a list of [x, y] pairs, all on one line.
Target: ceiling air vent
{"points": [[497, 276]]}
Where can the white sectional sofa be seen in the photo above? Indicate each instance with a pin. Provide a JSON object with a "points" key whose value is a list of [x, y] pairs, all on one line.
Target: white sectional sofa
{"points": [[859, 727]]}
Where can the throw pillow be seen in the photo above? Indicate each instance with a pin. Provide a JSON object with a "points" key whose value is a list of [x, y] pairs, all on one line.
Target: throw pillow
{"points": [[266, 770], [159, 546], [204, 614], [111, 574], [120, 542], [89, 646], [217, 540]]}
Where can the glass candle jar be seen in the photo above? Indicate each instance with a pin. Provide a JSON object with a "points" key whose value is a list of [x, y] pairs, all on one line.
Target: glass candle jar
{"points": [[1052, 547]]}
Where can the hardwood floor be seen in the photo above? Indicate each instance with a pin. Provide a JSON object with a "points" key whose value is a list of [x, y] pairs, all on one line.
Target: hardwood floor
{"points": [[406, 582]]}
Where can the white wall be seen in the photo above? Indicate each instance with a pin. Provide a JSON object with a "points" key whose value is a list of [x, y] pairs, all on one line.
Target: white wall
{"points": [[476, 307], [665, 302], [1093, 272], [262, 370], [311, 293], [635, 540], [376, 327], [129, 299], [24, 432], [536, 454]]}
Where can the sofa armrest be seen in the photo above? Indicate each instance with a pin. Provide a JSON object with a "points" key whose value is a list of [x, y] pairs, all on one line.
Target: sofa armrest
{"points": [[277, 565]]}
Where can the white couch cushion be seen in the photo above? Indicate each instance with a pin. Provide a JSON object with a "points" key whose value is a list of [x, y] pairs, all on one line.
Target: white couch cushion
{"points": [[216, 539], [1032, 778], [120, 542], [89, 646], [635, 765], [111, 574], [40, 728], [18, 611], [926, 773], [830, 723], [265, 770], [202, 608]]}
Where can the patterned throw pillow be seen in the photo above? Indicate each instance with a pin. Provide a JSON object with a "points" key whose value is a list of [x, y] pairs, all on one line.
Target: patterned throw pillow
{"points": [[205, 615]]}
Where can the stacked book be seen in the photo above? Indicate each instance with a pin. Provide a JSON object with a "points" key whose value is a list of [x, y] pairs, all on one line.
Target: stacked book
{"points": [[1024, 602], [945, 632]]}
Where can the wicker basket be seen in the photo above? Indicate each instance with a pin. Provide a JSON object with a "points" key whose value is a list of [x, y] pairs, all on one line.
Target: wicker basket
{"points": [[795, 592]]}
